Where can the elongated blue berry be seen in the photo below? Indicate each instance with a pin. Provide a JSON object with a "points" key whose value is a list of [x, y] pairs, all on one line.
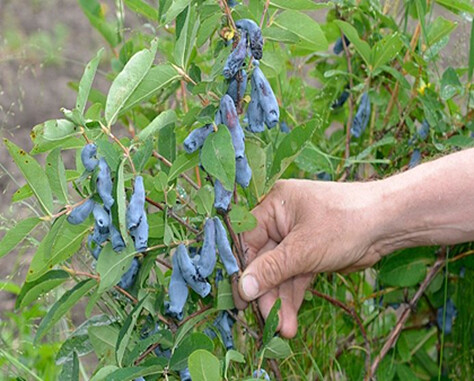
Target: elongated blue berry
{"points": [[262, 374], [95, 241], [190, 273], [243, 172], [197, 137], [361, 119], [423, 130], [339, 47], [184, 374], [225, 329], [140, 234], [236, 58], [339, 102], [88, 157], [116, 238], [448, 317], [137, 204], [222, 197], [267, 99], [177, 292], [104, 184], [102, 218], [207, 258], [415, 158], [237, 86], [231, 119], [255, 115], [79, 214], [128, 279], [224, 249], [284, 128], [254, 36]]}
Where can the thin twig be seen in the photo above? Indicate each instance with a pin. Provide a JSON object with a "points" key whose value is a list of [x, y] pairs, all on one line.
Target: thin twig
{"points": [[172, 215], [125, 150], [395, 333], [265, 10]]}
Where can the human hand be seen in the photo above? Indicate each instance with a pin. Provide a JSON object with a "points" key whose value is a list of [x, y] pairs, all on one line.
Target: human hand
{"points": [[306, 227]]}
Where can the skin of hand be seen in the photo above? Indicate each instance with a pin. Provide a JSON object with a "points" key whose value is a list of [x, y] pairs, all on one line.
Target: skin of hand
{"points": [[308, 227]]}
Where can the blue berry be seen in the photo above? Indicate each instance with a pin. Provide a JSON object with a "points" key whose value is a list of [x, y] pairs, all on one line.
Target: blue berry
{"points": [[261, 373], [339, 102], [255, 115], [254, 36], [224, 249], [88, 157], [79, 214], [196, 138], [236, 58], [128, 279], [231, 119], [284, 128], [424, 130], [136, 206], [104, 184], [415, 158], [266, 97], [236, 89], [207, 258], [361, 119], [243, 172], [448, 319], [177, 292], [190, 273], [140, 234], [339, 47], [116, 238], [222, 197], [185, 375], [102, 218]]}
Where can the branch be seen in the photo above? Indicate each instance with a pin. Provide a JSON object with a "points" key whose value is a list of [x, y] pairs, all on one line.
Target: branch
{"points": [[169, 164], [393, 337], [172, 215]]}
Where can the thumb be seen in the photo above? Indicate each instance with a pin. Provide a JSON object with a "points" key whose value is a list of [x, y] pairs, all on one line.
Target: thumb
{"points": [[269, 270]]}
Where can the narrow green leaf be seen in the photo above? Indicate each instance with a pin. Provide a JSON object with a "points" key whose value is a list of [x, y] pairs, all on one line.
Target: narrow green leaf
{"points": [[126, 331], [61, 242], [63, 305], [241, 219], [204, 199], [103, 339], [257, 161], [143, 154], [34, 176], [93, 11], [439, 29], [218, 157], [143, 345], [271, 323], [189, 325], [143, 8], [204, 366], [165, 118], [299, 5], [175, 9], [55, 133], [185, 42], [127, 81], [104, 372], [111, 265], [16, 234], [157, 78], [386, 50], [86, 82], [70, 371], [232, 355], [361, 46], [309, 32], [183, 163], [32, 290], [130, 374], [225, 300], [457, 5], [57, 175]]}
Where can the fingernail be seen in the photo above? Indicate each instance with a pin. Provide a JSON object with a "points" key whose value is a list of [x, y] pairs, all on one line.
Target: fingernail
{"points": [[250, 286]]}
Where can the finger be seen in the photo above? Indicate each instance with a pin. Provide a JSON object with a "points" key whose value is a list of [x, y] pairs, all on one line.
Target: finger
{"points": [[288, 324], [266, 302], [272, 268]]}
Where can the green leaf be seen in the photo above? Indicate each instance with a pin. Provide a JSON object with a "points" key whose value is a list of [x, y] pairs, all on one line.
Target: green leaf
{"points": [[142, 155], [232, 355], [190, 344], [406, 268], [57, 175], [439, 29], [86, 82], [70, 371], [207, 27], [277, 348], [110, 151], [187, 37], [157, 78], [204, 366], [458, 5], [111, 265], [386, 50], [309, 32], [130, 374], [175, 9], [34, 176], [189, 325], [218, 157], [361, 46], [164, 119], [225, 301], [183, 163], [139, 6], [78, 341], [204, 199], [299, 5], [10, 287], [241, 219], [103, 339], [93, 11], [127, 81], [257, 160], [161, 338], [289, 148], [103, 372], [32, 290], [62, 241], [16, 234], [63, 305], [126, 331], [55, 133], [276, 34], [271, 323]]}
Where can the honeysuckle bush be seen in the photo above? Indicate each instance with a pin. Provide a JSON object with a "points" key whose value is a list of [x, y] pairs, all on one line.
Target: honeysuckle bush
{"points": [[378, 104]]}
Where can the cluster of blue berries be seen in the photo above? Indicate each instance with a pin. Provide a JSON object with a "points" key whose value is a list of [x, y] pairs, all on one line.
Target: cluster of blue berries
{"points": [[104, 229]]}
